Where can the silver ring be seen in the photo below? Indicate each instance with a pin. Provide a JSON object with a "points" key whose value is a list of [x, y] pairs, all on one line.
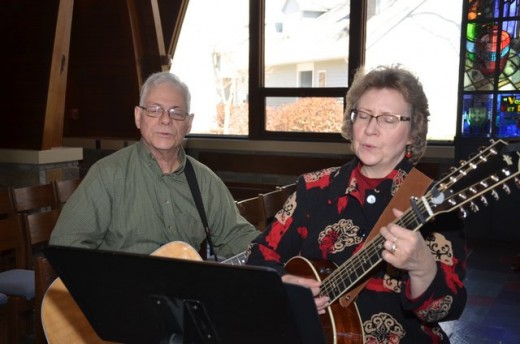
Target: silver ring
{"points": [[393, 248]]}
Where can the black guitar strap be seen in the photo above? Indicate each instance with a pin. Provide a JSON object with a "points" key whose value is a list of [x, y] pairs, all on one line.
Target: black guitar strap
{"points": [[195, 191]]}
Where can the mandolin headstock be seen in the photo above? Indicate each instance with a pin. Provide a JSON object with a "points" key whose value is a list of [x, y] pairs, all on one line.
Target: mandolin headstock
{"points": [[493, 172]]}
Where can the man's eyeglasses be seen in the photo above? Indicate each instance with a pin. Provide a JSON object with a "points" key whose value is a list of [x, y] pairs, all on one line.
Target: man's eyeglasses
{"points": [[384, 121], [157, 111]]}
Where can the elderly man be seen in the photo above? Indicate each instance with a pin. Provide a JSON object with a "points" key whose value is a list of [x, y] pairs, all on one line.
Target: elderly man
{"points": [[138, 198]]}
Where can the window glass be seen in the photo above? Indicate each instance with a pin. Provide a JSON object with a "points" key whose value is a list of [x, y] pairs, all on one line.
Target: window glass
{"points": [[491, 102], [306, 46], [212, 58], [312, 33], [310, 114], [425, 37]]}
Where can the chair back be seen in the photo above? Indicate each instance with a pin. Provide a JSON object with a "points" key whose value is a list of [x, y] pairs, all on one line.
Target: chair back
{"points": [[65, 188], [12, 243], [38, 228], [288, 189], [6, 203], [34, 198], [252, 209], [273, 201]]}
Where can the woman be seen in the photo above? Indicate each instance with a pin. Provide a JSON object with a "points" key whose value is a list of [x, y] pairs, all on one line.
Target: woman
{"points": [[419, 282]]}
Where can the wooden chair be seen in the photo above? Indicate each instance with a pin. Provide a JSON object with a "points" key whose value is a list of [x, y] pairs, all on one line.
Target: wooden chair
{"points": [[38, 228], [65, 188], [252, 209], [44, 276], [34, 198], [17, 282], [272, 202]]}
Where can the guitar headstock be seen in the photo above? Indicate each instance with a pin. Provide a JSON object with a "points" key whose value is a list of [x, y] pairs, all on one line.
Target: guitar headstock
{"points": [[491, 172]]}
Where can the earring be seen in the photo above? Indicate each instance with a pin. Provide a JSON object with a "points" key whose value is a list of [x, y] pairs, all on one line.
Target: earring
{"points": [[408, 151]]}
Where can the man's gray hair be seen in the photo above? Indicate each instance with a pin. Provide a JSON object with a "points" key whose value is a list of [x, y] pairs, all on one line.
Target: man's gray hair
{"points": [[165, 77]]}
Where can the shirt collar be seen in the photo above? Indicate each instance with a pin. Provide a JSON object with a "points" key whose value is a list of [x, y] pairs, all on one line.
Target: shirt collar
{"points": [[344, 181], [149, 159]]}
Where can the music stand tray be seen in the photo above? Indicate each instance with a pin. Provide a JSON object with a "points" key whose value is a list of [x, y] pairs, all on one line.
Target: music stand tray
{"points": [[134, 298]]}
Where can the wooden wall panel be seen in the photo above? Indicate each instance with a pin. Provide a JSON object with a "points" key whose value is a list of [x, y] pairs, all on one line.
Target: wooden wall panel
{"points": [[114, 47], [27, 30], [102, 85]]}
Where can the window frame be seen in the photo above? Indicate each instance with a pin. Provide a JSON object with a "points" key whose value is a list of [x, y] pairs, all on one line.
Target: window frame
{"points": [[258, 92]]}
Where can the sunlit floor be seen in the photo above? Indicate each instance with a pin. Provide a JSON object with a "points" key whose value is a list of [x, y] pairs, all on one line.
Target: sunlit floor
{"points": [[492, 313]]}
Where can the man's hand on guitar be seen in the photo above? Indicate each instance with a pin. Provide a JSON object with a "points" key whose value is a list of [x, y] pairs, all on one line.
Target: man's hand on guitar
{"points": [[407, 250], [322, 302]]}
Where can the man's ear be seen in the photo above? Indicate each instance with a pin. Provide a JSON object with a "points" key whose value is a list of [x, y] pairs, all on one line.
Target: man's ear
{"points": [[188, 125], [137, 116]]}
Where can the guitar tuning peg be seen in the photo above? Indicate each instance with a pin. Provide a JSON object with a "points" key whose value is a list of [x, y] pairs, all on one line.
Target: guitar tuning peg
{"points": [[517, 182], [495, 195], [506, 189], [474, 208], [506, 172], [463, 213], [462, 162], [484, 201]]}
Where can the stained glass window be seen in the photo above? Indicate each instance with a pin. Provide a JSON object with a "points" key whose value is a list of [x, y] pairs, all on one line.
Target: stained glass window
{"points": [[491, 92]]}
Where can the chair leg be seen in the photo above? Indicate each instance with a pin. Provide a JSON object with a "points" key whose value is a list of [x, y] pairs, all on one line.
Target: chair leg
{"points": [[5, 315], [21, 320], [13, 322]]}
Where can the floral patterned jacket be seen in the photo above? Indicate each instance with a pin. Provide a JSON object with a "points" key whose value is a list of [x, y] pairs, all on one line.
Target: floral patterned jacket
{"points": [[328, 217]]}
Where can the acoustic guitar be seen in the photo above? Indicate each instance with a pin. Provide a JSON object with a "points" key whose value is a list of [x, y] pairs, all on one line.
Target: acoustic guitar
{"points": [[64, 322], [460, 188]]}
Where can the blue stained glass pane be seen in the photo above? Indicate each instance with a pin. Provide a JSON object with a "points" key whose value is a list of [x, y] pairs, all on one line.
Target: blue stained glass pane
{"points": [[507, 120], [476, 114], [510, 8]]}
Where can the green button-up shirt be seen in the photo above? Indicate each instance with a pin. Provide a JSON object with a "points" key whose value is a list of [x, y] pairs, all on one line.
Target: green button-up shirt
{"points": [[126, 203]]}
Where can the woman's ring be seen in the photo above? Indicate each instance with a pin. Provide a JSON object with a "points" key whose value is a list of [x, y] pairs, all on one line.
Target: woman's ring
{"points": [[394, 247]]}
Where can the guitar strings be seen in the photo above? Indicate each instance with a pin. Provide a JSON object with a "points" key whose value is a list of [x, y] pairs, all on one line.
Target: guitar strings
{"points": [[335, 284]]}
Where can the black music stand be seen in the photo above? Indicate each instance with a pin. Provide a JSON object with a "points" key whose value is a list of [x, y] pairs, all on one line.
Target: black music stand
{"points": [[133, 298]]}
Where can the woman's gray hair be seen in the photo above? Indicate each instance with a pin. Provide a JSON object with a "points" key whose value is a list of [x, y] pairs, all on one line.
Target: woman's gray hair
{"points": [[165, 77], [397, 78]]}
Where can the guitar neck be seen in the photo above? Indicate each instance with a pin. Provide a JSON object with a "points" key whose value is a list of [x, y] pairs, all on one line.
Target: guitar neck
{"points": [[360, 264]]}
